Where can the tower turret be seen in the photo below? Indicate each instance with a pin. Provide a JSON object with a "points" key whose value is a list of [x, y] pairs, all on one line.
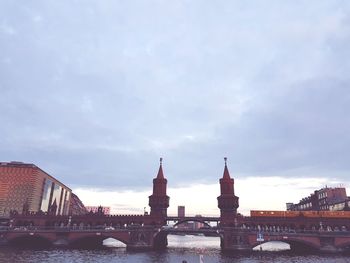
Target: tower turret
{"points": [[159, 201], [227, 201]]}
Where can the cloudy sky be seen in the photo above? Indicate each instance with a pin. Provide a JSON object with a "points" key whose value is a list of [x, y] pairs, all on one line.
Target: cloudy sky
{"points": [[94, 92]]}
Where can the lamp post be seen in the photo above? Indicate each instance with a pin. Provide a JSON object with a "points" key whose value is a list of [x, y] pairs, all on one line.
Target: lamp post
{"points": [[69, 221]]}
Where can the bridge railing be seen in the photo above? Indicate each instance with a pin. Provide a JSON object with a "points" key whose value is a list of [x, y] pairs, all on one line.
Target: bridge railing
{"points": [[71, 228]]}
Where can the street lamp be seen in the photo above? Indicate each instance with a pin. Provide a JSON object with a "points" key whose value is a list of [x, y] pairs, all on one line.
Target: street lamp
{"points": [[69, 221]]}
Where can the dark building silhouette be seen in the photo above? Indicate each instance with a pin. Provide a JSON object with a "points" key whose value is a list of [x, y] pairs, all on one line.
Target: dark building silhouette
{"points": [[159, 201], [322, 200], [181, 211], [227, 201]]}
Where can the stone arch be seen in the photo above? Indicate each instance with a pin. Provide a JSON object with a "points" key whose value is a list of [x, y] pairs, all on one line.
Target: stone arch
{"points": [[30, 241], [301, 245], [345, 246], [94, 240], [295, 243], [192, 220], [90, 241]]}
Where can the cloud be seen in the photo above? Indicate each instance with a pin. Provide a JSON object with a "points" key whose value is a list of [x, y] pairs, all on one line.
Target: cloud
{"points": [[95, 92]]}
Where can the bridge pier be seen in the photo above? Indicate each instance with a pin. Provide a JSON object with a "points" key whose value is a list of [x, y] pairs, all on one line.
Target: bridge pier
{"points": [[233, 240], [328, 245], [141, 239], [160, 241]]}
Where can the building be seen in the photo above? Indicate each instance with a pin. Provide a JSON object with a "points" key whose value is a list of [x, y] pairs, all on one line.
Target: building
{"points": [[340, 206], [105, 209], [76, 206], [198, 225], [159, 200], [327, 198], [181, 211], [228, 202], [25, 188]]}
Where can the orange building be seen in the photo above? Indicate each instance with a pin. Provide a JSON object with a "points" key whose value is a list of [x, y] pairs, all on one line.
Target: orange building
{"points": [[26, 188]]}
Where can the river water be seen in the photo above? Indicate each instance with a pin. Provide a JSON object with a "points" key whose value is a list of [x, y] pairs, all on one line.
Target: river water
{"points": [[180, 248]]}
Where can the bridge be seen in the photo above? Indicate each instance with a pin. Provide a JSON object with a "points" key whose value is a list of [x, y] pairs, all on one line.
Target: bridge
{"points": [[310, 231], [201, 219]]}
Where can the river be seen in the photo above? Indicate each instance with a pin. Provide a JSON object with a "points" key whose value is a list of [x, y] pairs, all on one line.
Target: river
{"points": [[180, 248]]}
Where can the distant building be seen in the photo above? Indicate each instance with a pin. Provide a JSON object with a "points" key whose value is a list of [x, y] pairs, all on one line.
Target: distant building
{"points": [[181, 211], [25, 188], [105, 209], [289, 206], [76, 206], [340, 206], [197, 225], [323, 199]]}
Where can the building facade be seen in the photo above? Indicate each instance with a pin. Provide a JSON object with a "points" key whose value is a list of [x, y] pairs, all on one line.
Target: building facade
{"points": [[94, 209], [340, 206], [25, 188], [181, 211], [76, 206], [324, 199]]}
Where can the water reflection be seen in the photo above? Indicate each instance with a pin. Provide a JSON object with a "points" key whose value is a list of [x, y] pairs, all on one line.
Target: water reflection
{"points": [[180, 248]]}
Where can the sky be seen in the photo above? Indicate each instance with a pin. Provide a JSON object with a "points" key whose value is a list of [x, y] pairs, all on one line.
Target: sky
{"points": [[95, 92]]}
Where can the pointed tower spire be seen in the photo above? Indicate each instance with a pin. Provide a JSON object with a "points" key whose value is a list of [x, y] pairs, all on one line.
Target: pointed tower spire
{"points": [[226, 172], [227, 201], [159, 201], [160, 174]]}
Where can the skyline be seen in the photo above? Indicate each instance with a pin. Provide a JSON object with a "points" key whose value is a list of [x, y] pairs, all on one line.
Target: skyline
{"points": [[203, 197], [93, 92]]}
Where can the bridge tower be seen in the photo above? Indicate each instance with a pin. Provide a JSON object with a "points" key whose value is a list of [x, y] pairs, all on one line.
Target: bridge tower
{"points": [[227, 201], [159, 201], [233, 238]]}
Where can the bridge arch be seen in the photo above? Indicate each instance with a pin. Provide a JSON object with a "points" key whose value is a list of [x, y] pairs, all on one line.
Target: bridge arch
{"points": [[161, 240], [261, 246], [26, 240], [95, 240], [297, 244], [192, 220], [345, 245]]}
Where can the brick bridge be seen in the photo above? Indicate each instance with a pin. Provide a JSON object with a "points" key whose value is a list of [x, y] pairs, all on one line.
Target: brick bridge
{"points": [[311, 230]]}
